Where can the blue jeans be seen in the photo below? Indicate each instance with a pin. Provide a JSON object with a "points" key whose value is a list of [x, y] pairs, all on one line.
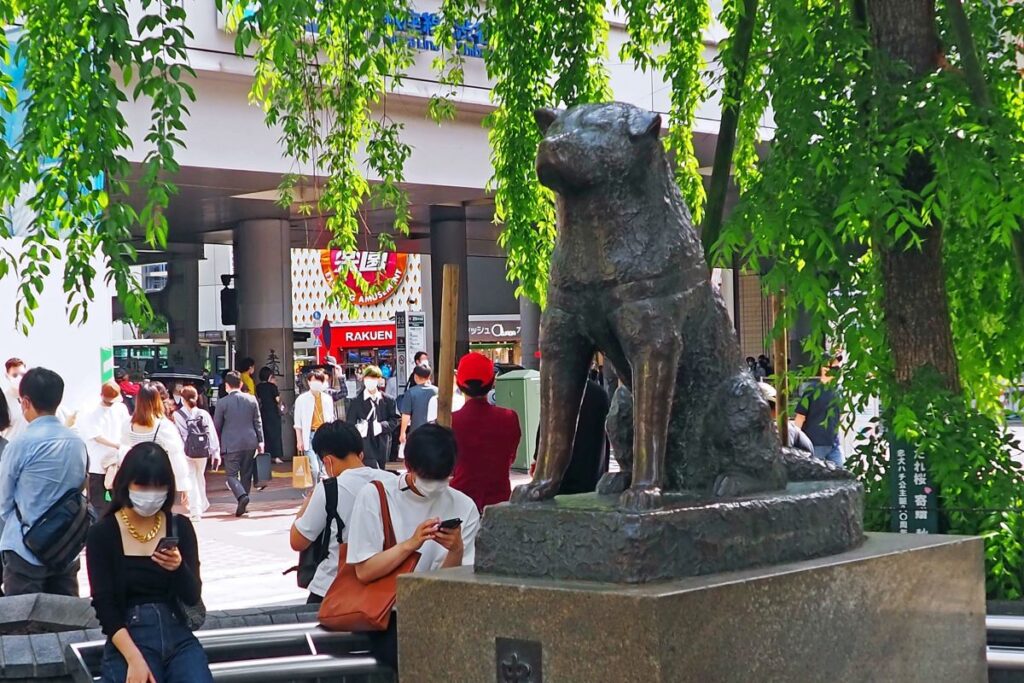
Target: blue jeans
{"points": [[172, 652], [314, 465], [832, 454]]}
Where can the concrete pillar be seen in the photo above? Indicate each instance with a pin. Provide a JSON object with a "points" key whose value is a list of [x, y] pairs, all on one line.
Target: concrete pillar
{"points": [[180, 300], [448, 245], [263, 278], [529, 332]]}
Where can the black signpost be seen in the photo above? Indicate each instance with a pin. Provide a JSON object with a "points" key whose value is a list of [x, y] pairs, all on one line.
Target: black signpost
{"points": [[914, 502]]}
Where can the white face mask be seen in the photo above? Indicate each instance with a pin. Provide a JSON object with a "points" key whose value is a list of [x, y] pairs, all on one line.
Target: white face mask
{"points": [[371, 385], [147, 503], [431, 488], [316, 387]]}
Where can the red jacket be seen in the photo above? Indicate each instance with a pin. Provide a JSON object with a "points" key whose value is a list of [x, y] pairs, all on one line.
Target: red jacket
{"points": [[487, 438]]}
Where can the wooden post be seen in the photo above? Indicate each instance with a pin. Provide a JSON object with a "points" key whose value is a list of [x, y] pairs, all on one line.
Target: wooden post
{"points": [[780, 349], [446, 359]]}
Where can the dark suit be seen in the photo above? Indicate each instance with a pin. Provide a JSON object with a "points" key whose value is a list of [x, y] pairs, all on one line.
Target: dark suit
{"points": [[237, 419], [375, 448]]}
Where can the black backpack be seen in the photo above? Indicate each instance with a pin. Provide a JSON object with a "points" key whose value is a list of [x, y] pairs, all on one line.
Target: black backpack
{"points": [[58, 536], [318, 550], [197, 436]]}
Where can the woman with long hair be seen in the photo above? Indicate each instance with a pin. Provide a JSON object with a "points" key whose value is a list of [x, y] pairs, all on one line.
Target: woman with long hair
{"points": [[195, 426], [143, 564], [149, 423]]}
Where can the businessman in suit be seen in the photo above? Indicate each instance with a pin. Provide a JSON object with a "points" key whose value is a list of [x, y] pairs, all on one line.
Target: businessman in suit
{"points": [[237, 419]]}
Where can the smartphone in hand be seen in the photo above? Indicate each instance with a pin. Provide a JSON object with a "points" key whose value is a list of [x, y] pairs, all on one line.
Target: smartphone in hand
{"points": [[166, 543], [453, 523]]}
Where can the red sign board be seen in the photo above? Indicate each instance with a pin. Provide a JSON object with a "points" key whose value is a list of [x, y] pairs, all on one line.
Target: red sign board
{"points": [[368, 336], [383, 271]]}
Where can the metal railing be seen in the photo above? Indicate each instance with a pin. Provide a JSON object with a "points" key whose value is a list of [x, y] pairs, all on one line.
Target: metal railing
{"points": [[1004, 657], [260, 654]]}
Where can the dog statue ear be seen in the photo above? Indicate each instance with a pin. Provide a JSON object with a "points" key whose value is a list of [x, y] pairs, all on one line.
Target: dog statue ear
{"points": [[545, 117], [644, 123]]}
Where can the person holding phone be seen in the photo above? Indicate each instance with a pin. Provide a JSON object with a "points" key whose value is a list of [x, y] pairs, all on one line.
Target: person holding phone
{"points": [[139, 576], [420, 503]]}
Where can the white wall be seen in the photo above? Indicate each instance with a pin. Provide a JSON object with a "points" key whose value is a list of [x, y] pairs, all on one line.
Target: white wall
{"points": [[218, 262], [71, 351]]}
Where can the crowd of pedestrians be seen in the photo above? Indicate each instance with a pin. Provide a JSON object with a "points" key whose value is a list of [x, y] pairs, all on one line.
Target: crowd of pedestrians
{"points": [[142, 448]]}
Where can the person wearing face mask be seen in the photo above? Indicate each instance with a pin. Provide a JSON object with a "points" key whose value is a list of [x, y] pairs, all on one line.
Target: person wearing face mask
{"points": [[313, 409], [341, 449], [14, 370], [376, 417], [37, 469], [101, 428], [418, 502], [139, 581]]}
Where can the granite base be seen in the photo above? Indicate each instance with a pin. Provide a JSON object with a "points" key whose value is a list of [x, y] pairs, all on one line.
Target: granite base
{"points": [[590, 537], [898, 608]]}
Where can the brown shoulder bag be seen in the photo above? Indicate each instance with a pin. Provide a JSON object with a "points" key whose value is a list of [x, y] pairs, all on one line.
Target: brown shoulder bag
{"points": [[350, 604]]}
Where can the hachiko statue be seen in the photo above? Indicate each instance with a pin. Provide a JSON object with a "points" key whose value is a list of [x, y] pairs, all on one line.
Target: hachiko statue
{"points": [[629, 279]]}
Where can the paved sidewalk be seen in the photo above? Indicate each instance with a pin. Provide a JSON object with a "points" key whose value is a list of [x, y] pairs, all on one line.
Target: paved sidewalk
{"points": [[242, 558]]}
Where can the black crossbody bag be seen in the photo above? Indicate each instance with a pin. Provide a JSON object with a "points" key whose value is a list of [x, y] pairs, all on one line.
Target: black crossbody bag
{"points": [[318, 550]]}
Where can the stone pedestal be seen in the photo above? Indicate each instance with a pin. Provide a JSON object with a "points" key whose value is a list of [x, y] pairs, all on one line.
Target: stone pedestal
{"points": [[897, 608]]}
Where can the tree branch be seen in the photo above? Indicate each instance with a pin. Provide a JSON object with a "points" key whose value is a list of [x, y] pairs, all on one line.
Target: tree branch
{"points": [[978, 86], [732, 93]]}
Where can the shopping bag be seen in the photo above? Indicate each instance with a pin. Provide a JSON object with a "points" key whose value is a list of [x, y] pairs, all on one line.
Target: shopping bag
{"points": [[302, 478], [263, 471]]}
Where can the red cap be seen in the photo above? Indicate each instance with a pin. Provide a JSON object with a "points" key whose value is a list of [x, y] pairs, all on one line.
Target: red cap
{"points": [[475, 366]]}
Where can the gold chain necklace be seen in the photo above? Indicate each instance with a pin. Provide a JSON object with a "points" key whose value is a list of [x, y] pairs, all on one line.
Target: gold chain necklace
{"points": [[144, 538]]}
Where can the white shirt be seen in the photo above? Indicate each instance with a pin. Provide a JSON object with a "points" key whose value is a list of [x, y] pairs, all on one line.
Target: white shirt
{"points": [[408, 511], [10, 394], [458, 400], [107, 422], [315, 519], [304, 407], [165, 434]]}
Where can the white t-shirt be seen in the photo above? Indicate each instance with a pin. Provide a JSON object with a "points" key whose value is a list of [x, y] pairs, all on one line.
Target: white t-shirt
{"points": [[408, 511], [165, 434], [458, 400], [108, 423], [313, 521]]}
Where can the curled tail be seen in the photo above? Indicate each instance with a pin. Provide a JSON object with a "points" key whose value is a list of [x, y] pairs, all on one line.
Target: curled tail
{"points": [[801, 466]]}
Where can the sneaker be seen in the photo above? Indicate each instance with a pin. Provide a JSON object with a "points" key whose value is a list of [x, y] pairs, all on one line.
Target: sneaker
{"points": [[278, 461], [195, 519], [243, 503]]}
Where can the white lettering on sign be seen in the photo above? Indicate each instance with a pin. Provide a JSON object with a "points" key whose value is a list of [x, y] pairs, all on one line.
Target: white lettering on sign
{"points": [[363, 336]]}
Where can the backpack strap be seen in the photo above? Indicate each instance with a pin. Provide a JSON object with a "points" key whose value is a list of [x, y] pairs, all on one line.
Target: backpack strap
{"points": [[331, 505]]}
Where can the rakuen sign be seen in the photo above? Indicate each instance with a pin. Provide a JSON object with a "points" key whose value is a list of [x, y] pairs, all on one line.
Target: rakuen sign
{"points": [[367, 335]]}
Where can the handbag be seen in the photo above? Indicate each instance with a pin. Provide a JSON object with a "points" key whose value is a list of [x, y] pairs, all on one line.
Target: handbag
{"points": [[194, 616], [302, 477], [58, 535], [350, 604]]}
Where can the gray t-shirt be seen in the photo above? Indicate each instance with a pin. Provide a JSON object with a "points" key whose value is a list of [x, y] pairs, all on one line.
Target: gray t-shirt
{"points": [[416, 402]]}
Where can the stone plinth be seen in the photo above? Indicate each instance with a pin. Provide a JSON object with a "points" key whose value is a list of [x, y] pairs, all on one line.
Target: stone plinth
{"points": [[589, 537], [898, 608]]}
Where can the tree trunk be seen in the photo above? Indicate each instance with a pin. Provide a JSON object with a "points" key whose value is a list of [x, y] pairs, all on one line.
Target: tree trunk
{"points": [[915, 304]]}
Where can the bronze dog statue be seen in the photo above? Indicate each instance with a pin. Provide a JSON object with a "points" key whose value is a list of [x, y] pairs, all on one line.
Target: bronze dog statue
{"points": [[629, 279]]}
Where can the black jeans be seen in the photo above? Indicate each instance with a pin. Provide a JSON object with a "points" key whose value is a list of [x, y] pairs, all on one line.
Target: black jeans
{"points": [[21, 577], [384, 644], [240, 468], [97, 494]]}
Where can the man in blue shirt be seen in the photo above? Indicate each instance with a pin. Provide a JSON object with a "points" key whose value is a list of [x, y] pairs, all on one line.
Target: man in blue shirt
{"points": [[42, 464]]}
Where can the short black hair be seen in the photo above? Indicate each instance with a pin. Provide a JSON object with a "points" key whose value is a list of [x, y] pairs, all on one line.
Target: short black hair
{"points": [[233, 379], [5, 415], [246, 364], [44, 388], [337, 439], [474, 388], [265, 374], [421, 372], [419, 354], [146, 464], [430, 452]]}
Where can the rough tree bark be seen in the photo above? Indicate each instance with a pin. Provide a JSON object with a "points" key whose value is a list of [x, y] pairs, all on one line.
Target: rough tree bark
{"points": [[915, 303]]}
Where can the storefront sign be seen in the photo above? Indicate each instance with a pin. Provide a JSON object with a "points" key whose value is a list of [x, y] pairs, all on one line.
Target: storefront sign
{"points": [[417, 29], [382, 273], [344, 338], [493, 331], [914, 503]]}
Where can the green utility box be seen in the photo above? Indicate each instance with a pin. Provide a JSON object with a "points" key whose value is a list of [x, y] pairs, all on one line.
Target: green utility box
{"points": [[519, 390]]}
